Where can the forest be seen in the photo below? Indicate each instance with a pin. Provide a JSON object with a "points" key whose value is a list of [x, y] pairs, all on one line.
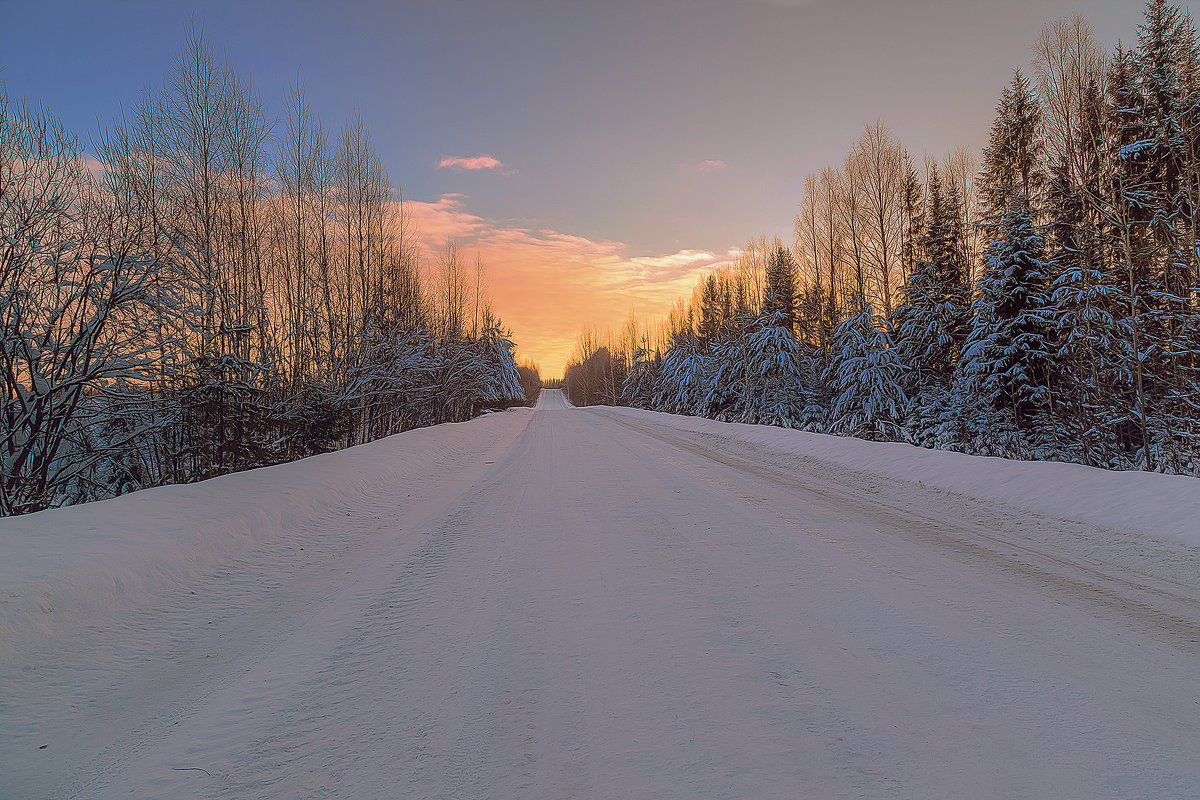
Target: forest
{"points": [[1041, 303], [216, 289]]}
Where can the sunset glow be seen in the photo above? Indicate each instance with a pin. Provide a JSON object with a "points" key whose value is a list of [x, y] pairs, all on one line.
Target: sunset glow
{"points": [[547, 284]]}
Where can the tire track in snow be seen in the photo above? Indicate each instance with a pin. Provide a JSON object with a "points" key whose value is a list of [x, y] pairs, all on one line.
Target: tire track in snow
{"points": [[817, 511], [350, 729], [974, 529], [242, 684]]}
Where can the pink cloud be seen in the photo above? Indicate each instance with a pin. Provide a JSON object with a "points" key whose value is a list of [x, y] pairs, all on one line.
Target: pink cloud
{"points": [[547, 285], [475, 164], [445, 218]]}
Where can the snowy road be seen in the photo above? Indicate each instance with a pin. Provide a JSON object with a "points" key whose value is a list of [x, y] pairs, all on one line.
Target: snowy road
{"points": [[593, 603]]}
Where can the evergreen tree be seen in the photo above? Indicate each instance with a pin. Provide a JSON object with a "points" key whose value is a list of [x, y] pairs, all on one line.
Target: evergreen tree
{"points": [[1092, 345], [1125, 210], [1150, 220], [1089, 340], [499, 379], [912, 204], [932, 321], [1164, 165], [645, 371], [710, 311], [865, 373], [1006, 360], [1012, 160], [779, 295], [773, 358], [683, 382], [728, 396]]}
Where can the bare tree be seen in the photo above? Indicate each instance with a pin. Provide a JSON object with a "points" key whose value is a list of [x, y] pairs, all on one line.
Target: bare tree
{"points": [[958, 174], [1068, 63], [851, 219], [72, 286], [879, 161], [296, 167]]}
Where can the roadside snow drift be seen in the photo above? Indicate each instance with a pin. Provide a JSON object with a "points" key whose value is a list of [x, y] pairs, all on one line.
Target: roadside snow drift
{"points": [[1166, 506]]}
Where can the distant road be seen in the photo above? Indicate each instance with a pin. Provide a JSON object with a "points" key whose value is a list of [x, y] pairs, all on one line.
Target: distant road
{"points": [[593, 604], [552, 399]]}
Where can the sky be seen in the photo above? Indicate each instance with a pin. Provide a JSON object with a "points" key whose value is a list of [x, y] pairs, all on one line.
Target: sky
{"points": [[599, 155]]}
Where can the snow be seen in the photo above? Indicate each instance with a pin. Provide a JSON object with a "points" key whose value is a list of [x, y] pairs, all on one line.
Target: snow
{"points": [[1164, 506], [94, 561], [609, 603]]}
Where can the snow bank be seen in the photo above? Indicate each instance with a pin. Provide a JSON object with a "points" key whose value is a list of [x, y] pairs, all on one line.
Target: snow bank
{"points": [[1165, 506], [88, 564]]}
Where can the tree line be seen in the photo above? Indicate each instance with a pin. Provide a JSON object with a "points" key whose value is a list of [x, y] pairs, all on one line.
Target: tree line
{"points": [[1041, 304], [218, 290]]}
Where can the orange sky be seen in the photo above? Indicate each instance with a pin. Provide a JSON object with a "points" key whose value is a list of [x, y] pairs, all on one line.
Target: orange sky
{"points": [[548, 285]]}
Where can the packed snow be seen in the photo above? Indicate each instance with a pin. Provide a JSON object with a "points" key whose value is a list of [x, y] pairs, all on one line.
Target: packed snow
{"points": [[1164, 506], [609, 603]]}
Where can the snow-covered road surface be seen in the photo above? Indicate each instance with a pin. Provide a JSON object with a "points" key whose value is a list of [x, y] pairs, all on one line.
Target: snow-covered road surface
{"points": [[598, 603]]}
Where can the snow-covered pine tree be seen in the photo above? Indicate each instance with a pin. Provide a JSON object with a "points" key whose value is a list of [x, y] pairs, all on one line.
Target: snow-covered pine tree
{"points": [[933, 320], [779, 293], [1122, 207], [1089, 338], [1007, 358], [727, 397], [933, 317], [865, 373], [644, 370], [1164, 160], [1013, 158], [1004, 373], [501, 381], [1150, 225], [774, 392], [683, 382]]}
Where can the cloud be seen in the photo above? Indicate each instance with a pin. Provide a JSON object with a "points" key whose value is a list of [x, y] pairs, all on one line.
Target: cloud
{"points": [[710, 165], [445, 218], [547, 285], [475, 164]]}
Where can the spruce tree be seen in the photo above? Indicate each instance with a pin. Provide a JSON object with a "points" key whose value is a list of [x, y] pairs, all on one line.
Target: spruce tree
{"points": [[1089, 341], [865, 373], [710, 311], [1006, 360], [683, 380], [779, 295], [1164, 70], [1012, 160], [933, 318], [773, 360]]}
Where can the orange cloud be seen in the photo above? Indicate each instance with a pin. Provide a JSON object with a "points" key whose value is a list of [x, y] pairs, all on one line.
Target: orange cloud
{"points": [[547, 285], [474, 164]]}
